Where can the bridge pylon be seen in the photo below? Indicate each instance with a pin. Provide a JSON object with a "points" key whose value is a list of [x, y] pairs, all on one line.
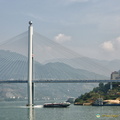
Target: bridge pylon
{"points": [[30, 64]]}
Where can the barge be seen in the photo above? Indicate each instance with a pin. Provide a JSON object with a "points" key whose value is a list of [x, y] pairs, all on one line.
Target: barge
{"points": [[63, 104]]}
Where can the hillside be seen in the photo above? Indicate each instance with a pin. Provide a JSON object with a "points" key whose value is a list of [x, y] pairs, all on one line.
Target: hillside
{"points": [[14, 66], [102, 91], [103, 67]]}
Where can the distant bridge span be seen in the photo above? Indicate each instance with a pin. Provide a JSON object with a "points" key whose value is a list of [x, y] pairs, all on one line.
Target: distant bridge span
{"points": [[58, 81]]}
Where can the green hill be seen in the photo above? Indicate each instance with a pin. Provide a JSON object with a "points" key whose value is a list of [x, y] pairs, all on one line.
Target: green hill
{"points": [[102, 91]]}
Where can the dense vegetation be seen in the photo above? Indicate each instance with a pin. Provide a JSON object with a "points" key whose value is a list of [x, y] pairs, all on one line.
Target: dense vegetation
{"points": [[102, 91]]}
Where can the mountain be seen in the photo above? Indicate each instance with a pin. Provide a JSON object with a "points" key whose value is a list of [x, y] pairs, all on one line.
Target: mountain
{"points": [[14, 66], [63, 71], [103, 67]]}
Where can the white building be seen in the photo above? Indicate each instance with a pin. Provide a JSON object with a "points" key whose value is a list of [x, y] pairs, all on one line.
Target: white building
{"points": [[115, 75]]}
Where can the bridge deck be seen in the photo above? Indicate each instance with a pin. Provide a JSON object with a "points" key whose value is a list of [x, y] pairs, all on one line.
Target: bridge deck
{"points": [[58, 81]]}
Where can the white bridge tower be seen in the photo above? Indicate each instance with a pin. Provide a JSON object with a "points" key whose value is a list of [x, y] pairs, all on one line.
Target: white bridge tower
{"points": [[30, 65]]}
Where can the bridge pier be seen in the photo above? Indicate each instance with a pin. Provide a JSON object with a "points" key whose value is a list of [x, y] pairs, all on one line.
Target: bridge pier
{"points": [[111, 86], [32, 93]]}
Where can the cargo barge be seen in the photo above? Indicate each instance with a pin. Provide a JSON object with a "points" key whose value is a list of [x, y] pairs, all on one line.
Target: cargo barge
{"points": [[63, 104]]}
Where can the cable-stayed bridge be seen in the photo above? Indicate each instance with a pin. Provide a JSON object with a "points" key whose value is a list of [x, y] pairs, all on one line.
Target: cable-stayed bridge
{"points": [[49, 61]]}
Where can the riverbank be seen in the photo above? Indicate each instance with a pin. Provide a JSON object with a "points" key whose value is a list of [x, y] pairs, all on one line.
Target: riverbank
{"points": [[103, 91]]}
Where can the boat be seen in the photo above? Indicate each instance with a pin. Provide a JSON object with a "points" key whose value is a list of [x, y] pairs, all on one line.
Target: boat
{"points": [[101, 102], [71, 100], [106, 104], [98, 102], [62, 104]]}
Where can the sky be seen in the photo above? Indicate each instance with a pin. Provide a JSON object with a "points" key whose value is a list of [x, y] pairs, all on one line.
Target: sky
{"points": [[88, 27]]}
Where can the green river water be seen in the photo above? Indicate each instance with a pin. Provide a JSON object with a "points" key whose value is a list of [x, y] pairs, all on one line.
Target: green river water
{"points": [[18, 111]]}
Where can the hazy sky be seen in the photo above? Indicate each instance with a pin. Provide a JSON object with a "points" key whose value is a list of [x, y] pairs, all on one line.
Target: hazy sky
{"points": [[89, 27]]}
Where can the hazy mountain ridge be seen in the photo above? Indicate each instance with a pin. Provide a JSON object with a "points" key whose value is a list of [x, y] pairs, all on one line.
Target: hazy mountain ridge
{"points": [[103, 67], [55, 70], [15, 67]]}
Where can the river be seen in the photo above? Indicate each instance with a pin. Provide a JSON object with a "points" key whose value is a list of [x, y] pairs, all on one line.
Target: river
{"points": [[18, 111]]}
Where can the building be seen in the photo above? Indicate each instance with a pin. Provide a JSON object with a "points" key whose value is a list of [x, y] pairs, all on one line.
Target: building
{"points": [[115, 75]]}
